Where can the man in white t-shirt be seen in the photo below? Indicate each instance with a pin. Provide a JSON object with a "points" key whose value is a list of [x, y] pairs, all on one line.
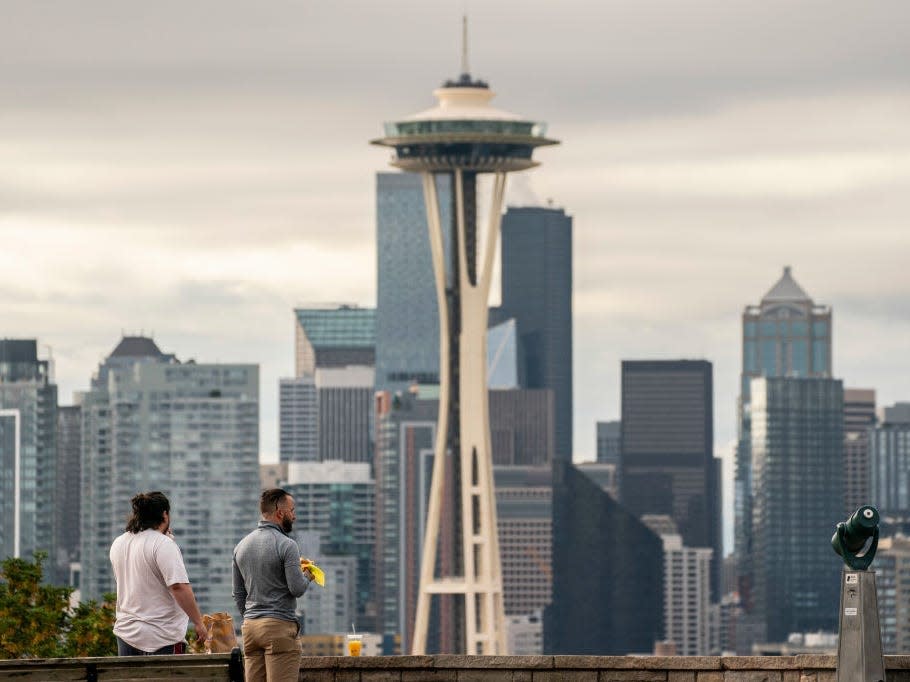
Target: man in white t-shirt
{"points": [[155, 601]]}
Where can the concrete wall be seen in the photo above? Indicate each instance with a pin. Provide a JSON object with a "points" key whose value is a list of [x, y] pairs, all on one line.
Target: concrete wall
{"points": [[806, 668]]}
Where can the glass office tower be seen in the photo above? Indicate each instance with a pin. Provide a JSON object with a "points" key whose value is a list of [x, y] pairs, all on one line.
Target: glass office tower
{"points": [[797, 455], [785, 335]]}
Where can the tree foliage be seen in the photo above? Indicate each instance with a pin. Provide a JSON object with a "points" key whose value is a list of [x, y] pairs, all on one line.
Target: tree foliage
{"points": [[36, 620]]}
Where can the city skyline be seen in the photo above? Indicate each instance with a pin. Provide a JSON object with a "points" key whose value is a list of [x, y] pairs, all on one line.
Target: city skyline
{"points": [[231, 176]]}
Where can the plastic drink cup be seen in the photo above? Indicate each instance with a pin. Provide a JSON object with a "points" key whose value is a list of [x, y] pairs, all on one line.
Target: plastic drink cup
{"points": [[355, 644]]}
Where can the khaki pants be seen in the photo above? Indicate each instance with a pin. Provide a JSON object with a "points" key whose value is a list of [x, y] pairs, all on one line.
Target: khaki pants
{"points": [[270, 650]]}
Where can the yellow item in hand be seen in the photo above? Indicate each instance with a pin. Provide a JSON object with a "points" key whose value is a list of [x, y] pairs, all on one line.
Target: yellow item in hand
{"points": [[318, 573]]}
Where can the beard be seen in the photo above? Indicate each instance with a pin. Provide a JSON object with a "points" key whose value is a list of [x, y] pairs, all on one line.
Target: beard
{"points": [[287, 525]]}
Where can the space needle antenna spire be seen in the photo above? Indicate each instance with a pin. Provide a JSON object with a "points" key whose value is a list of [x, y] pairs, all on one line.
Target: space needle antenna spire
{"points": [[464, 44]]}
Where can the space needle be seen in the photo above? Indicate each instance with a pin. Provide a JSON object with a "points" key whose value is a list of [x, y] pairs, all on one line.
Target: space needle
{"points": [[462, 137]]}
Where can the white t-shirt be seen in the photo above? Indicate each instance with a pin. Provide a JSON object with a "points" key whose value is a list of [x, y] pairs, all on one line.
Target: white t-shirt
{"points": [[145, 564]]}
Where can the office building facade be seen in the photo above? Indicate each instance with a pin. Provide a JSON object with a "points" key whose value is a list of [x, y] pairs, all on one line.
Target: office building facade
{"points": [[798, 484], [345, 406], [537, 294], [69, 494], [667, 436], [859, 418], [298, 419], [190, 430], [785, 335], [28, 452], [407, 322], [524, 507], [335, 501], [687, 605], [405, 437], [522, 427], [892, 586], [609, 442], [889, 455]]}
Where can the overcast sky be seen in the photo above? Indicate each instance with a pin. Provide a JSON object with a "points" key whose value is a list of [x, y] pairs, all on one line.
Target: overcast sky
{"points": [[196, 169]]}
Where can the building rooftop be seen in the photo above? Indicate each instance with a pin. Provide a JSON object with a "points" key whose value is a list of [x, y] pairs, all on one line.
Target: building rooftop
{"points": [[136, 347], [786, 289], [342, 327]]}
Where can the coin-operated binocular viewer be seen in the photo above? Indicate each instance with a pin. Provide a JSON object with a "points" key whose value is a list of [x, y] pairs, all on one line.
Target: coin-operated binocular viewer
{"points": [[859, 642]]}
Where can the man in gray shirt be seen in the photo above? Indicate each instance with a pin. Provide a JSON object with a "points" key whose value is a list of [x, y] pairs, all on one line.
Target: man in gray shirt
{"points": [[267, 582]]}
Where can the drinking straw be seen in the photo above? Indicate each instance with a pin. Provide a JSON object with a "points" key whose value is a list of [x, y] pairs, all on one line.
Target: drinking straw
{"points": [[353, 629]]}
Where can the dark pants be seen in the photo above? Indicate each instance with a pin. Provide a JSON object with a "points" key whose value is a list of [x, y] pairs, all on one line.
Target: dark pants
{"points": [[124, 649]]}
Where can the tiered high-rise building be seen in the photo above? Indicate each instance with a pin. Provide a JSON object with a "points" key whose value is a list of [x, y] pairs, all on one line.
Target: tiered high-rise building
{"points": [[28, 453], [785, 335], [190, 430]]}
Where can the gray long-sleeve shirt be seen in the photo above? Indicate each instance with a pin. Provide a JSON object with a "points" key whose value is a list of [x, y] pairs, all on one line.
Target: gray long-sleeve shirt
{"points": [[267, 576]]}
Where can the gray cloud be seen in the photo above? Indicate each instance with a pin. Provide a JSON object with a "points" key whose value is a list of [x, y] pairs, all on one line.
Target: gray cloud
{"points": [[198, 168]]}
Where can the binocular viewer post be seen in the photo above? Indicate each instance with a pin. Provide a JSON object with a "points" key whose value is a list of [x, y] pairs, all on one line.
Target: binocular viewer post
{"points": [[851, 537], [859, 642]]}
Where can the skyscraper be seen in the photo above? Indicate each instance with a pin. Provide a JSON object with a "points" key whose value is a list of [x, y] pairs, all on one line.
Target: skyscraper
{"points": [[190, 430], [667, 435], [407, 320], [537, 293], [28, 453], [859, 418], [798, 486], [462, 138], [786, 334]]}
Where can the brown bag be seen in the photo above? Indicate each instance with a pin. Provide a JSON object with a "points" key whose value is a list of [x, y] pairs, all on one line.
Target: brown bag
{"points": [[221, 639]]}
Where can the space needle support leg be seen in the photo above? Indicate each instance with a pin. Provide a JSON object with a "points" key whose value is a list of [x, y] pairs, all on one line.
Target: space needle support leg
{"points": [[431, 536], [484, 616], [481, 585]]}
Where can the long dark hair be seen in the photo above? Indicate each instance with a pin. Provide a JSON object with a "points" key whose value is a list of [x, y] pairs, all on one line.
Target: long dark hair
{"points": [[148, 511]]}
